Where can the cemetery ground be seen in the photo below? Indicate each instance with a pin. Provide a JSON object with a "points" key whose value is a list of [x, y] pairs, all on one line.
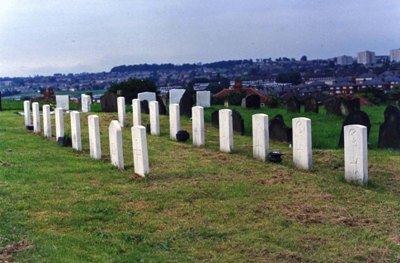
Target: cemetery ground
{"points": [[197, 204]]}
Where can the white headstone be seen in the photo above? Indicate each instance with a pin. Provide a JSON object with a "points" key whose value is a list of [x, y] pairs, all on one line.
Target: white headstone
{"points": [[174, 120], [149, 96], [140, 154], [94, 137], [121, 111], [27, 113], [302, 143], [260, 136], [136, 112], [36, 117], [116, 150], [225, 131], [203, 98], [198, 125], [356, 154], [46, 121], [175, 95], [76, 131], [62, 101], [86, 100], [154, 118], [59, 112]]}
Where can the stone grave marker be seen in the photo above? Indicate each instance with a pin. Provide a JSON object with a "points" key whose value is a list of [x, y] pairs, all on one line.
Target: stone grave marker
{"points": [[355, 117], [260, 136], [46, 121], [27, 113], [293, 104], [186, 104], [109, 102], [36, 117], [136, 112], [140, 153], [253, 101], [62, 101], [225, 131], [161, 105], [175, 95], [302, 144], [121, 111], [144, 107], [76, 131], [278, 130], [59, 116], [356, 154], [389, 131], [94, 137], [174, 120], [116, 150], [311, 104], [203, 98], [149, 96], [154, 118], [238, 122], [198, 125], [86, 101]]}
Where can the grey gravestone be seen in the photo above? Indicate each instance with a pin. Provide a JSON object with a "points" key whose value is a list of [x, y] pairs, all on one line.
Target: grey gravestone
{"points": [[144, 106], [389, 131], [311, 104], [253, 102], [161, 105], [237, 121], [278, 130], [293, 104], [355, 117], [186, 104], [109, 102]]}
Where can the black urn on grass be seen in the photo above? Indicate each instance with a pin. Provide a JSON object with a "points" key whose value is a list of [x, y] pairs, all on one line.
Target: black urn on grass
{"points": [[182, 136], [275, 157]]}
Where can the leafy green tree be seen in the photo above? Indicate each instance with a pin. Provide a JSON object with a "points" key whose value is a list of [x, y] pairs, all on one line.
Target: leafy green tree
{"points": [[130, 88]]}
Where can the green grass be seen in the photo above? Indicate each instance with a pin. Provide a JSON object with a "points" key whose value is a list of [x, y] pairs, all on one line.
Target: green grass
{"points": [[196, 205]]}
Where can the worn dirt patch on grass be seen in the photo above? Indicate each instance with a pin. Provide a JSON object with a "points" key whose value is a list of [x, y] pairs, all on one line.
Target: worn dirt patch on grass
{"points": [[280, 176], [7, 253]]}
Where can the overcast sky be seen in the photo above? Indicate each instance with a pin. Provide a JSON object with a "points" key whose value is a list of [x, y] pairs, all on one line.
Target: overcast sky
{"points": [[62, 36]]}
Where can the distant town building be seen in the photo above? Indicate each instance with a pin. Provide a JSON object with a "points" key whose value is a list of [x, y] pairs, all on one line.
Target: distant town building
{"points": [[344, 60], [395, 55], [382, 59], [366, 57]]}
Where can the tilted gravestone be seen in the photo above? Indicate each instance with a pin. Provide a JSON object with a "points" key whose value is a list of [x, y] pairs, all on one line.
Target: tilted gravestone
{"points": [[186, 104], [311, 104], [144, 106], [109, 102], [161, 104], [237, 121], [389, 131], [140, 152], [116, 145], [253, 102], [293, 104], [278, 130], [355, 117]]}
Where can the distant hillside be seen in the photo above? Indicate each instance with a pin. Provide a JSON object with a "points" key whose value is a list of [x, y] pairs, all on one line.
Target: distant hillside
{"points": [[170, 66]]}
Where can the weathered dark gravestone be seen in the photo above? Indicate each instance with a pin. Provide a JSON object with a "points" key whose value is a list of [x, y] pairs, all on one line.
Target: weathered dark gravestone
{"points": [[342, 106], [109, 102], [311, 104], [237, 121], [161, 105], [355, 117], [182, 136], [278, 130], [253, 102], [389, 131], [186, 104], [293, 104], [144, 107]]}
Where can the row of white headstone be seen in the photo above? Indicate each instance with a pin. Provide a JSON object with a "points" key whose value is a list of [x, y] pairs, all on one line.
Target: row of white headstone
{"points": [[355, 139], [139, 140]]}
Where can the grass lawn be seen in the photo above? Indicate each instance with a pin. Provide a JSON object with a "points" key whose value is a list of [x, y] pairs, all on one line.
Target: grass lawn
{"points": [[197, 204]]}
